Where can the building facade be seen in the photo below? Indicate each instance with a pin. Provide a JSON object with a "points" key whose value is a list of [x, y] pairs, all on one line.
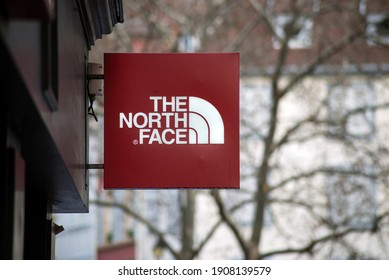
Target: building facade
{"points": [[44, 49]]}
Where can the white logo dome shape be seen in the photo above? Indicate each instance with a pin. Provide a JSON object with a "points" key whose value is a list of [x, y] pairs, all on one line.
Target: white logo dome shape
{"points": [[205, 123]]}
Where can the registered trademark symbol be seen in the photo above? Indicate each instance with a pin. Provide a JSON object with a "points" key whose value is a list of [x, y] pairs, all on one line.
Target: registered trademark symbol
{"points": [[135, 142]]}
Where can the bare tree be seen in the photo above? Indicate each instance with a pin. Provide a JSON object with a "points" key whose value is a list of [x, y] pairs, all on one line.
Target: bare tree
{"points": [[314, 160]]}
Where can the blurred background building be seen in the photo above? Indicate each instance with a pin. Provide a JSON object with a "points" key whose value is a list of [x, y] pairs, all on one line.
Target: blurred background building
{"points": [[314, 130]]}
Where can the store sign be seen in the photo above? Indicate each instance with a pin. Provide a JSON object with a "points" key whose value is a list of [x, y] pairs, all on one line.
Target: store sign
{"points": [[171, 120]]}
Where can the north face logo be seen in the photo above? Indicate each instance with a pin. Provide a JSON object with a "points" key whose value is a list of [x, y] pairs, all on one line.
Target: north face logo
{"points": [[176, 120], [171, 120]]}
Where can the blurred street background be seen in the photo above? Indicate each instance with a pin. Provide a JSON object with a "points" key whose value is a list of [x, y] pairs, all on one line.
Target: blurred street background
{"points": [[314, 99]]}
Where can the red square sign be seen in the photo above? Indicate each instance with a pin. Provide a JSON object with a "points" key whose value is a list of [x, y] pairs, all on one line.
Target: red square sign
{"points": [[171, 120]]}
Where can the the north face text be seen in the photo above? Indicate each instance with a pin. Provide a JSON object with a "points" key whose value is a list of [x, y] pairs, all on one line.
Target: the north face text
{"points": [[176, 120]]}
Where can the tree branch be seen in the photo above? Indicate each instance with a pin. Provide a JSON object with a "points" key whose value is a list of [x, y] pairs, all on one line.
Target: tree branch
{"points": [[258, 8], [139, 218], [285, 138], [242, 35], [323, 57], [320, 170], [334, 235], [308, 247], [228, 220]]}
